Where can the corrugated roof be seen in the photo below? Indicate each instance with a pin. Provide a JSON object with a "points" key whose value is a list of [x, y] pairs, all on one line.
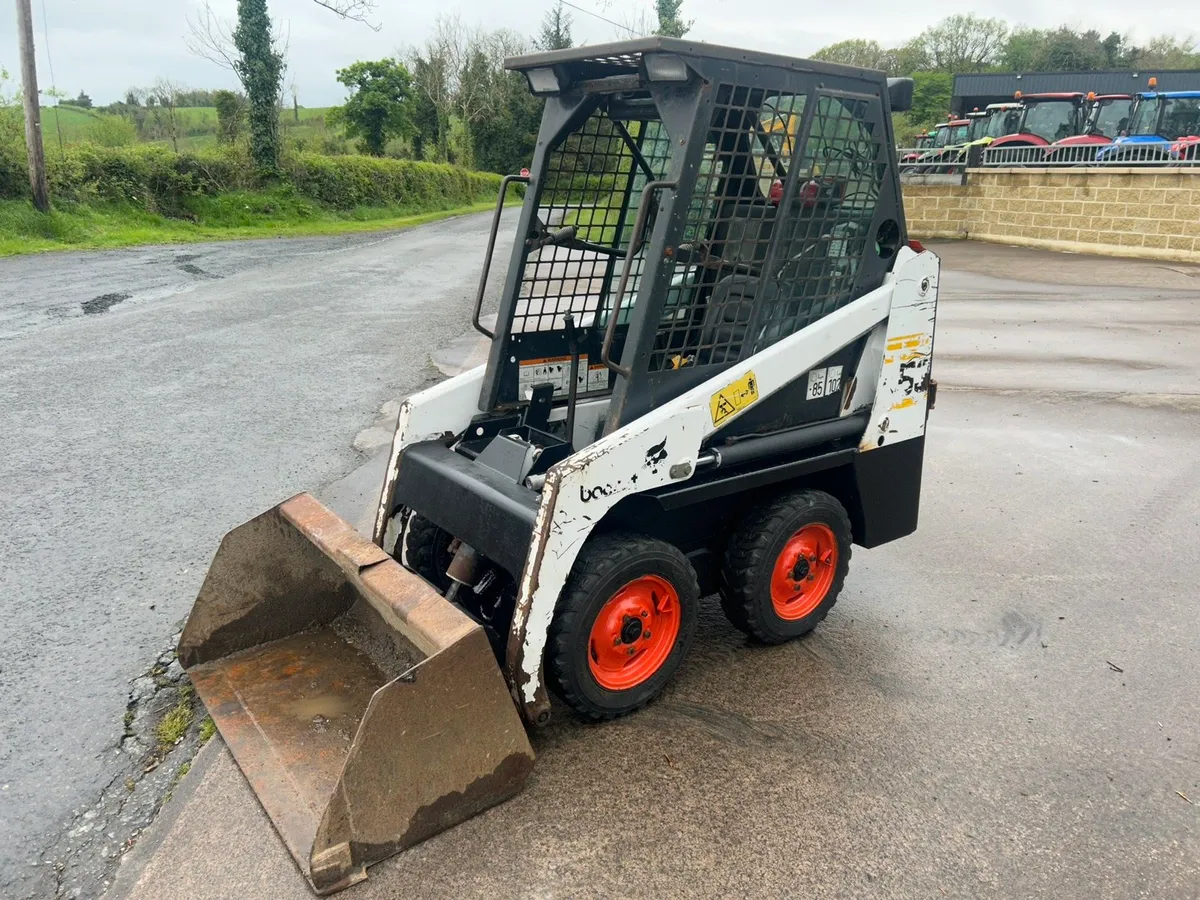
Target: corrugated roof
{"points": [[1004, 84]]}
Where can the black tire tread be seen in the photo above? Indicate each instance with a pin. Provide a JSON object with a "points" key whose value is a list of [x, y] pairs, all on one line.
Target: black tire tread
{"points": [[598, 558], [749, 550], [420, 545]]}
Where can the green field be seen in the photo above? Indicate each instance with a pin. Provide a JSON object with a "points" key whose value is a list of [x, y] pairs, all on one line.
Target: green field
{"points": [[197, 126], [238, 215]]}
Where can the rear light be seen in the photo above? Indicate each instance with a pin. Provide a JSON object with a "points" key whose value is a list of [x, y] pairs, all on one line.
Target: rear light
{"points": [[776, 193], [917, 246]]}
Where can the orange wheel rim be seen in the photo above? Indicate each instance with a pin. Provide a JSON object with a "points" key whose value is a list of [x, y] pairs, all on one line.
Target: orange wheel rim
{"points": [[634, 633], [804, 571]]}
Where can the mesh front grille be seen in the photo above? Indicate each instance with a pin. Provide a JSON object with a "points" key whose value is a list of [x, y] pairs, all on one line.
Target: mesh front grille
{"points": [[756, 262], [818, 255], [593, 182]]}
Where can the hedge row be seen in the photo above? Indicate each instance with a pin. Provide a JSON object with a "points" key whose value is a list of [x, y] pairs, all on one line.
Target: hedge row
{"points": [[163, 180]]}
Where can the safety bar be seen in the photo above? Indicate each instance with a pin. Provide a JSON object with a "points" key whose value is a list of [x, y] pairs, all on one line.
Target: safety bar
{"points": [[635, 244], [487, 257]]}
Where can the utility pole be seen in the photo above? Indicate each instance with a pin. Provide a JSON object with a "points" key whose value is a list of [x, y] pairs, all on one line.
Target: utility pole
{"points": [[33, 112]]}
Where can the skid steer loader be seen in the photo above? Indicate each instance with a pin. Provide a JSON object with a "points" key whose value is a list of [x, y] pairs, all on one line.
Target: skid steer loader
{"points": [[709, 373]]}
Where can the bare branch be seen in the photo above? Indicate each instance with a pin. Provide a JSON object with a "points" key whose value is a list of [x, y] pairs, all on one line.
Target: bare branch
{"points": [[354, 10], [211, 38]]}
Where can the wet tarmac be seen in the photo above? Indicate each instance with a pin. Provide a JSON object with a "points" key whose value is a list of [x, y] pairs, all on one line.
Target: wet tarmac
{"points": [[149, 399]]}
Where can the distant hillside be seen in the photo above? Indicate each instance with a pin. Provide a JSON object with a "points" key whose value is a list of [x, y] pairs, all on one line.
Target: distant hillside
{"points": [[197, 125]]}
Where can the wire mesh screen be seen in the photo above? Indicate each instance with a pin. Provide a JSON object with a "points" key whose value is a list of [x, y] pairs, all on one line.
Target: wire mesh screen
{"points": [[593, 183], [753, 264], [819, 252]]}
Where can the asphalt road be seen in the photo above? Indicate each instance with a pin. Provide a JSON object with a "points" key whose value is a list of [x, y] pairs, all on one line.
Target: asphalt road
{"points": [[1005, 704], [150, 399]]}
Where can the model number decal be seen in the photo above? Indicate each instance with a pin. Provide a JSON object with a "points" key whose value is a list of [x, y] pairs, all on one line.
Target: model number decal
{"points": [[733, 398], [824, 382]]}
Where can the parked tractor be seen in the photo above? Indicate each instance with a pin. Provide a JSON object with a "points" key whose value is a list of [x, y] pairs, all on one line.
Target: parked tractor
{"points": [[1108, 118], [1165, 126], [1045, 118]]}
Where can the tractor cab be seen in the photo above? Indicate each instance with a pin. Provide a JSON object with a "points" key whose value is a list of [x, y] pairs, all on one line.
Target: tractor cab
{"points": [[1002, 119], [1164, 126], [978, 127], [955, 134], [1108, 117], [1045, 118]]}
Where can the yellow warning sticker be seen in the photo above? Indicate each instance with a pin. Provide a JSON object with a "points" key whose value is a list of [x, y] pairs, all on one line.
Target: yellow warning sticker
{"points": [[733, 398]]}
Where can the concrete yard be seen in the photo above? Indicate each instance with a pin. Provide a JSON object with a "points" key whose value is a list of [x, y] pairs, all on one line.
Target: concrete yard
{"points": [[1005, 704]]}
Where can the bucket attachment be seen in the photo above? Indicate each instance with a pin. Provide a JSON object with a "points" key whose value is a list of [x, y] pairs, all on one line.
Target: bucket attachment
{"points": [[367, 712]]}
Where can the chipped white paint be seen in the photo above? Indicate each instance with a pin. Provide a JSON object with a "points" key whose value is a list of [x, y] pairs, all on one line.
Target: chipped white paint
{"points": [[447, 407], [901, 402], [581, 489]]}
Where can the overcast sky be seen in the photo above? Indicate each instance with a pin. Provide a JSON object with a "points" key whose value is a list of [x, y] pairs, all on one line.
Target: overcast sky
{"points": [[106, 46]]}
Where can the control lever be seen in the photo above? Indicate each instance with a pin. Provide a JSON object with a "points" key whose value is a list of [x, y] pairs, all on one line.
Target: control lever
{"points": [[562, 236]]}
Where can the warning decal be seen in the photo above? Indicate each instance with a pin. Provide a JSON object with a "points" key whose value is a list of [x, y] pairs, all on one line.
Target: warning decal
{"points": [[733, 398], [557, 371]]}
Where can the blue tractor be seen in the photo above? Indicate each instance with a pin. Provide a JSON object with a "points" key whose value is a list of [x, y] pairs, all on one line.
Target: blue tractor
{"points": [[1165, 126]]}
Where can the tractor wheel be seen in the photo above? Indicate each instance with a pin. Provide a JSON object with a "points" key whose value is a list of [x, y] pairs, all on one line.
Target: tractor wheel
{"points": [[623, 624], [785, 564], [427, 551]]}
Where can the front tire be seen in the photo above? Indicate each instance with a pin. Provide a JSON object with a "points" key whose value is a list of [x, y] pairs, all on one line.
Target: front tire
{"points": [[427, 551], [785, 564], [623, 624]]}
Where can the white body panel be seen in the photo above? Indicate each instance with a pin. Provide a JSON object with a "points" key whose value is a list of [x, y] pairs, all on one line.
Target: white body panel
{"points": [[447, 407]]}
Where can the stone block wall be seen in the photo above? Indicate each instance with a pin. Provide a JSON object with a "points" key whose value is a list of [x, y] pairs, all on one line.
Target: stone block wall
{"points": [[1140, 212]]}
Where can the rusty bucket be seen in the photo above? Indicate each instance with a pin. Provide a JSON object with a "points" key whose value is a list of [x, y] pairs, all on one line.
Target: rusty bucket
{"points": [[366, 711]]}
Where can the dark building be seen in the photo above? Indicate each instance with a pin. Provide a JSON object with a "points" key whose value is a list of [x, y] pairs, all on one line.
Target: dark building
{"points": [[977, 91]]}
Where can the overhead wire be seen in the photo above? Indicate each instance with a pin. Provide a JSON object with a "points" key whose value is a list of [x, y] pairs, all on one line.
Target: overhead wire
{"points": [[53, 80], [595, 15]]}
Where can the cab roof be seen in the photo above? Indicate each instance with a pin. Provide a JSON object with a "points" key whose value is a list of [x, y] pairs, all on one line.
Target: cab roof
{"points": [[1066, 95], [625, 57], [1170, 95]]}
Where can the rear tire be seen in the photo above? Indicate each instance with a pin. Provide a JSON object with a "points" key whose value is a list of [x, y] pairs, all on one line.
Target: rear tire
{"points": [[785, 564], [623, 624], [427, 551]]}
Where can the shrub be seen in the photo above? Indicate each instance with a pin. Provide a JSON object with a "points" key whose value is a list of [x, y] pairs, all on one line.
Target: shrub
{"points": [[168, 183], [111, 131], [347, 182]]}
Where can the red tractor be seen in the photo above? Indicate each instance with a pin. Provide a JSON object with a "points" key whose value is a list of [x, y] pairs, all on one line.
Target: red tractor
{"points": [[1045, 118], [1108, 118]]}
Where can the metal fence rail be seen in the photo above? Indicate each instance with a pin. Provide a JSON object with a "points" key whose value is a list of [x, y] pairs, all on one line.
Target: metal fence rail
{"points": [[921, 163]]}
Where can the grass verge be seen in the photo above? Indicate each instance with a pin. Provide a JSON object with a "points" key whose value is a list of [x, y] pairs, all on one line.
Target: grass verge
{"points": [[235, 216]]}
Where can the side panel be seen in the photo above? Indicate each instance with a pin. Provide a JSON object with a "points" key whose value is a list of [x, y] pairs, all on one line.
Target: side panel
{"points": [[901, 403], [447, 407], [888, 480]]}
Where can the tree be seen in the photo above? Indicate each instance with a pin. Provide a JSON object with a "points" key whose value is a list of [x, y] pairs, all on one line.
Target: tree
{"points": [[165, 94], [964, 43], [257, 55], [83, 101], [378, 106], [931, 97], [231, 116], [259, 66], [458, 72], [669, 22], [858, 52], [1167, 52], [555, 33]]}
